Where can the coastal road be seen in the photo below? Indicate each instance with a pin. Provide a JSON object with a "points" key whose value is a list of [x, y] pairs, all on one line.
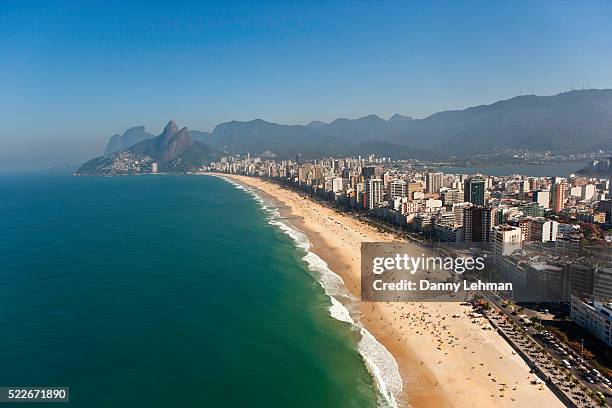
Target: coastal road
{"points": [[536, 337]]}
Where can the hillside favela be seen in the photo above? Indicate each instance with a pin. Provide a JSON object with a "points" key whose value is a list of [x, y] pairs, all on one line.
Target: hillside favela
{"points": [[320, 204]]}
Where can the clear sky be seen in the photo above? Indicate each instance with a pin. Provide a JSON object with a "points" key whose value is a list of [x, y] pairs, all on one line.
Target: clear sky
{"points": [[73, 74]]}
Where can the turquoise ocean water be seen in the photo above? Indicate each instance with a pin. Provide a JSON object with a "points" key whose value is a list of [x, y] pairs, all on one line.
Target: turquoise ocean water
{"points": [[161, 291]]}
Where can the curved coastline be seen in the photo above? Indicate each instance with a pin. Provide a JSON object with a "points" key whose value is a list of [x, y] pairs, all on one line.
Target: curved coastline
{"points": [[442, 362], [379, 361]]}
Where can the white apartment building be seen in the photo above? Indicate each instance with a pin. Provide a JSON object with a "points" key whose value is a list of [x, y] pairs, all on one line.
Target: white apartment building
{"points": [[337, 184], [542, 197], [543, 230], [506, 240], [373, 196], [596, 317], [588, 191], [434, 182], [397, 188]]}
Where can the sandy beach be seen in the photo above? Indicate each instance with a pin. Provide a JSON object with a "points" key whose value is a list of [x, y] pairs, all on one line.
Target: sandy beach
{"points": [[444, 361]]}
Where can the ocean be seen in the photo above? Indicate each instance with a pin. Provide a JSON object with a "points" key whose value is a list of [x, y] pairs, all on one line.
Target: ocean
{"points": [[163, 291]]}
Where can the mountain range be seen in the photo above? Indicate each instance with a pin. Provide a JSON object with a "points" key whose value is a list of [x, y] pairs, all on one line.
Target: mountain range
{"points": [[130, 137], [172, 150], [536, 123]]}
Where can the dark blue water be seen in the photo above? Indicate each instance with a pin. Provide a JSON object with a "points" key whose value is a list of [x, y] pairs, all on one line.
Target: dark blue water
{"points": [[164, 291]]}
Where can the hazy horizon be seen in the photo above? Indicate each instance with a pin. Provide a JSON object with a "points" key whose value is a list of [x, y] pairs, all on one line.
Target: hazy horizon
{"points": [[73, 75]]}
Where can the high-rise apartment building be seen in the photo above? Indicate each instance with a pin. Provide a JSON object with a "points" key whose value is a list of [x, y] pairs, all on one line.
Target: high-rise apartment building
{"points": [[543, 230], [588, 191], [474, 191], [434, 182], [458, 210], [397, 188], [370, 172], [337, 184], [477, 223], [506, 240], [413, 187], [542, 197], [373, 193], [305, 172], [451, 196], [557, 193]]}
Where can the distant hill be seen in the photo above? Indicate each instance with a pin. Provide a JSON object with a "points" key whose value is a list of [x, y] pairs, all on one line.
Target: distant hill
{"points": [[399, 118], [576, 121], [130, 137], [200, 136], [257, 136], [172, 150], [317, 124], [568, 122], [367, 128], [537, 123]]}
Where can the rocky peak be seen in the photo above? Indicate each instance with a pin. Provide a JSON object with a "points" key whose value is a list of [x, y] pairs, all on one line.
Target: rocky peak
{"points": [[171, 127], [169, 131], [178, 143]]}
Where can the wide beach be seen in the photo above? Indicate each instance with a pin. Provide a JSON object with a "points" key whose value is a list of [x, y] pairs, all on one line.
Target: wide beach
{"points": [[443, 361]]}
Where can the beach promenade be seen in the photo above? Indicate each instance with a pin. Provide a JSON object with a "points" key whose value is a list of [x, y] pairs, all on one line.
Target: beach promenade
{"points": [[444, 361]]}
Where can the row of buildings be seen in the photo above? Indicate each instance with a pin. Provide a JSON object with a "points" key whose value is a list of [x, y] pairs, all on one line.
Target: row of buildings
{"points": [[536, 226]]}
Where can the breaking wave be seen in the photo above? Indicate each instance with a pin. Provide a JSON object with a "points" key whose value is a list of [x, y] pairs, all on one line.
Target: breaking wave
{"points": [[379, 361]]}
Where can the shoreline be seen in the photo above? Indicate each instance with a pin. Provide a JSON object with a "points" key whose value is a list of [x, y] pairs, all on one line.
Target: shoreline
{"points": [[380, 363], [442, 362]]}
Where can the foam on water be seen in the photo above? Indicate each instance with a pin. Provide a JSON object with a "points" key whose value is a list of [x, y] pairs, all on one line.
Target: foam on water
{"points": [[339, 312], [379, 361]]}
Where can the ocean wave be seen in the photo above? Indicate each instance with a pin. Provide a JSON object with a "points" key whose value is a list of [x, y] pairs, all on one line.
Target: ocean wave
{"points": [[339, 312], [378, 360]]}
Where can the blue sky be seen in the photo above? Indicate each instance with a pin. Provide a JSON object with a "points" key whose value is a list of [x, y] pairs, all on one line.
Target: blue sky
{"points": [[72, 74]]}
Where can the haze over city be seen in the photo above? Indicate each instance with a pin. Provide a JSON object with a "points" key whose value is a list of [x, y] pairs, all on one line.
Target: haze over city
{"points": [[74, 74]]}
